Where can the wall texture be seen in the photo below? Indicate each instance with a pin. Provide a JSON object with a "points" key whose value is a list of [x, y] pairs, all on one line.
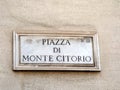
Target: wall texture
{"points": [[100, 15]]}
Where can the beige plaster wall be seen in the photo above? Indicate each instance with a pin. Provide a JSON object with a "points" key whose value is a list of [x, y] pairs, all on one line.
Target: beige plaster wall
{"points": [[100, 15]]}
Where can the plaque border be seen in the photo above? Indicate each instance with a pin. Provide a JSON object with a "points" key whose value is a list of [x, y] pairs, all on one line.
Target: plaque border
{"points": [[59, 33]]}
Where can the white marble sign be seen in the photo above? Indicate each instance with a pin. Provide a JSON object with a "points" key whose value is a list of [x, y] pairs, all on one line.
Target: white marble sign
{"points": [[45, 51], [37, 49]]}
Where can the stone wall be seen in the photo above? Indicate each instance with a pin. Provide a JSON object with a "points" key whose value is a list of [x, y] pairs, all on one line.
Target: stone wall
{"points": [[102, 16]]}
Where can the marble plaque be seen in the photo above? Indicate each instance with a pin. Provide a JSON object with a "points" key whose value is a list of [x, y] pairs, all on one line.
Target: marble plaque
{"points": [[56, 51]]}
